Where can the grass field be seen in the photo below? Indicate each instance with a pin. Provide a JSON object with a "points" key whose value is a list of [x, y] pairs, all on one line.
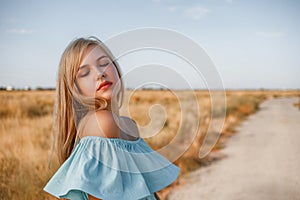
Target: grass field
{"points": [[26, 123]]}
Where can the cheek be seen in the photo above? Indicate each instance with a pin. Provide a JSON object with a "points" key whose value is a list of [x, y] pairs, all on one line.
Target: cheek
{"points": [[113, 73], [86, 87], [116, 80]]}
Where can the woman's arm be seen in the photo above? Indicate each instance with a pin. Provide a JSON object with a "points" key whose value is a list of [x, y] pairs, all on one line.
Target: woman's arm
{"points": [[156, 196], [92, 197]]}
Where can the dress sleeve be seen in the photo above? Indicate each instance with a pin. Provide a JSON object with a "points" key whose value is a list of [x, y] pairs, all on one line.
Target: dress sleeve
{"points": [[112, 168]]}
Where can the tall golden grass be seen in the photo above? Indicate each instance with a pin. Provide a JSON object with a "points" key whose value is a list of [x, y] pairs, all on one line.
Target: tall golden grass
{"points": [[26, 124], [25, 134]]}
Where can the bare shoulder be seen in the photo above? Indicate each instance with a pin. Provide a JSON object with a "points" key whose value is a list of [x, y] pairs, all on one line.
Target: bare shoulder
{"points": [[129, 126], [100, 123], [128, 119]]}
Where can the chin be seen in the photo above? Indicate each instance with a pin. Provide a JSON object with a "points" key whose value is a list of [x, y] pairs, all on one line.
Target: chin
{"points": [[107, 97]]}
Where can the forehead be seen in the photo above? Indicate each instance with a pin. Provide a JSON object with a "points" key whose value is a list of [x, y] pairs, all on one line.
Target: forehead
{"points": [[92, 53]]}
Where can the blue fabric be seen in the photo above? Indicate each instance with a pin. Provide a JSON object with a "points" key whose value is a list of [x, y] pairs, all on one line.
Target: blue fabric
{"points": [[112, 169]]}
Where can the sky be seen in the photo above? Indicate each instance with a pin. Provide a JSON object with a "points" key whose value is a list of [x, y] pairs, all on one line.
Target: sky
{"points": [[253, 44]]}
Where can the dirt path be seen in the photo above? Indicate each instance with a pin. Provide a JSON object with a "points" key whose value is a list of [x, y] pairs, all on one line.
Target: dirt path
{"points": [[262, 160]]}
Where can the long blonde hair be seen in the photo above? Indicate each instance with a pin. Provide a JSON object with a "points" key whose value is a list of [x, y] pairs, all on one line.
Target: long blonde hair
{"points": [[70, 106]]}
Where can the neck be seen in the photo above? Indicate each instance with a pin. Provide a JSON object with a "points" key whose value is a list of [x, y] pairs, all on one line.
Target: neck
{"points": [[113, 107]]}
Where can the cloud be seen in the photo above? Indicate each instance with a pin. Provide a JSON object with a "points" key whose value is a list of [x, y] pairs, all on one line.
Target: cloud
{"points": [[172, 8], [19, 31], [196, 13], [269, 34]]}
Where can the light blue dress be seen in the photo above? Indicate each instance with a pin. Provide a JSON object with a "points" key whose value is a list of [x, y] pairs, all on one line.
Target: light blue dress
{"points": [[112, 169]]}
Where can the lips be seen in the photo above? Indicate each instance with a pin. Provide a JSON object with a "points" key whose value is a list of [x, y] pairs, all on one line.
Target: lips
{"points": [[104, 85]]}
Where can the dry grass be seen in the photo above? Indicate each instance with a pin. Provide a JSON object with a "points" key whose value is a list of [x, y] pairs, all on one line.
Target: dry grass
{"points": [[25, 132], [26, 122]]}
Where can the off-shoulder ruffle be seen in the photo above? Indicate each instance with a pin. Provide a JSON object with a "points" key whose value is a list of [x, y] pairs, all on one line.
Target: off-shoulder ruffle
{"points": [[113, 169]]}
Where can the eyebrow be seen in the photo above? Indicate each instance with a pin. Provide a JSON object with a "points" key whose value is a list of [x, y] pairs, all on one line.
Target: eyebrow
{"points": [[101, 57], [83, 66]]}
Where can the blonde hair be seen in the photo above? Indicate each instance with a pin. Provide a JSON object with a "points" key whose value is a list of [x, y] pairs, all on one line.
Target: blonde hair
{"points": [[70, 106]]}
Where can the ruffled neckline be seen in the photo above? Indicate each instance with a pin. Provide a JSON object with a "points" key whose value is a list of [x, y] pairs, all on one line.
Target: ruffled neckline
{"points": [[112, 168], [139, 139]]}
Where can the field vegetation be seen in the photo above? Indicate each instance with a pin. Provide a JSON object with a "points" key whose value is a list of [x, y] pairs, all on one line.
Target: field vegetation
{"points": [[26, 131]]}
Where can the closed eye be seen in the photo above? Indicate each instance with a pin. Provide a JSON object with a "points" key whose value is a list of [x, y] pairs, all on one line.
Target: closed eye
{"points": [[84, 74], [105, 61], [83, 70], [104, 65]]}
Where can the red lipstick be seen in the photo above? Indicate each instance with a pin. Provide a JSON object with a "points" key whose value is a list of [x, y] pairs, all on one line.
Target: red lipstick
{"points": [[104, 85]]}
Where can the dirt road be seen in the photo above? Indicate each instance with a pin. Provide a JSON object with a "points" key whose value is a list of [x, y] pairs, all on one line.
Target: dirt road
{"points": [[262, 160]]}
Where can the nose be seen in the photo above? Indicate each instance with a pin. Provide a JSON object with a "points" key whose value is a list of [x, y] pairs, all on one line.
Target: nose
{"points": [[100, 74]]}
